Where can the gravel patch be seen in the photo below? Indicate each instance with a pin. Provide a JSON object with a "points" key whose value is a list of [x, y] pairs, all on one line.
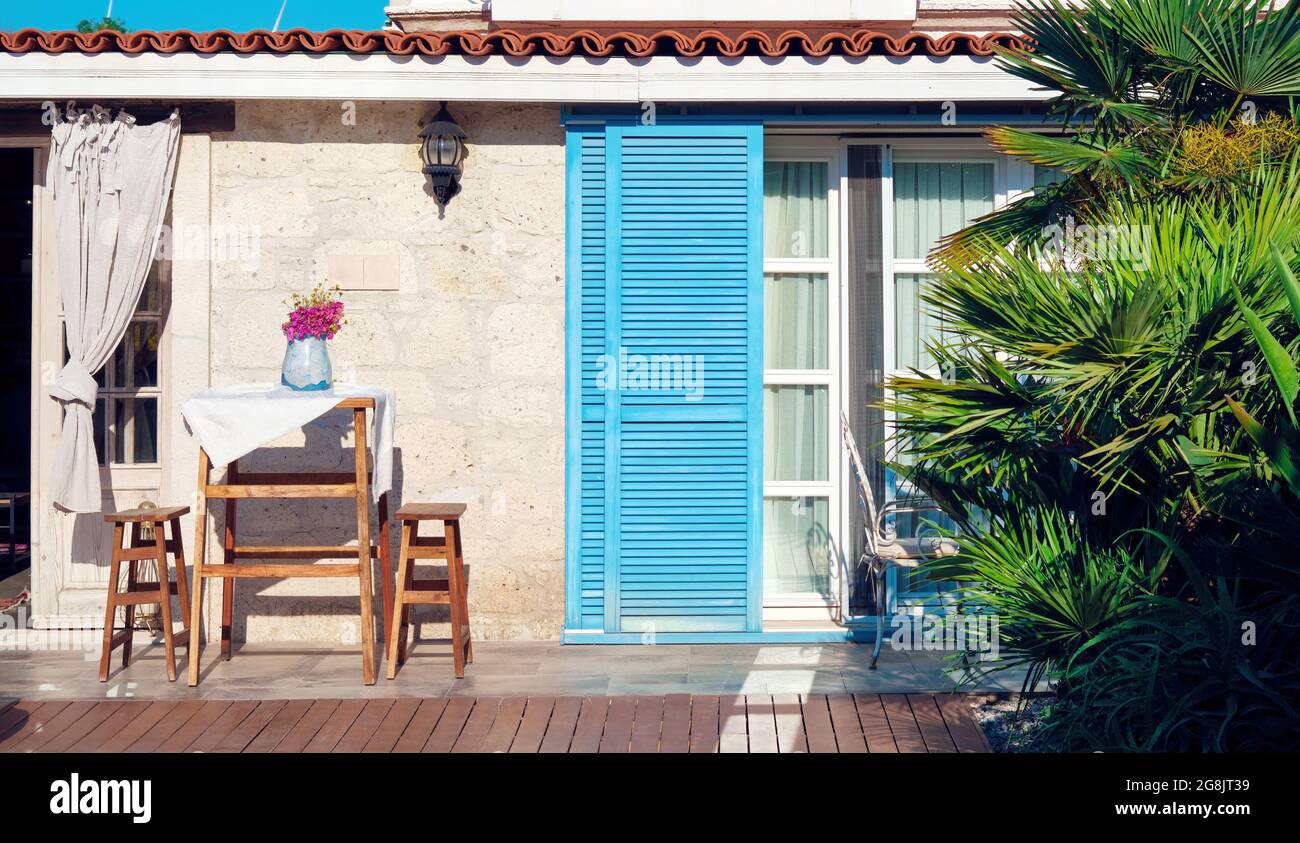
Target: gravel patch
{"points": [[1010, 727]]}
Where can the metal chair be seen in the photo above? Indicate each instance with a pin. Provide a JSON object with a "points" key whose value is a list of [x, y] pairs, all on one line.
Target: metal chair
{"points": [[882, 548]]}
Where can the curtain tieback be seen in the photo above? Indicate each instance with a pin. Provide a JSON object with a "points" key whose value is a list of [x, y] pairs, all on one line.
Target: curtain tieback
{"points": [[75, 384]]}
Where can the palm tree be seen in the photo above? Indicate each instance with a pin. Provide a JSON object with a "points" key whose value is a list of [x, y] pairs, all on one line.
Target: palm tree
{"points": [[1116, 431], [1132, 77]]}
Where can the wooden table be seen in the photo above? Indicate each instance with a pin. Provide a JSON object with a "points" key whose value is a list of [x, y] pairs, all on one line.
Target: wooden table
{"points": [[246, 486]]}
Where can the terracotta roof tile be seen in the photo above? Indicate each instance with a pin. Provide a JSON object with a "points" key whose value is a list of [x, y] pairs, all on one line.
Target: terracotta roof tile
{"points": [[584, 42]]}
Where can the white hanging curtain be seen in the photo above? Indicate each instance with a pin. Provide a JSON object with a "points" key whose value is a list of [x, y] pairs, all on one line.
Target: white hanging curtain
{"points": [[110, 180]]}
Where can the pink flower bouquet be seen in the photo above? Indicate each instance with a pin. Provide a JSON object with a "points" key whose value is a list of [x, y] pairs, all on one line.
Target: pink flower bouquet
{"points": [[317, 314]]}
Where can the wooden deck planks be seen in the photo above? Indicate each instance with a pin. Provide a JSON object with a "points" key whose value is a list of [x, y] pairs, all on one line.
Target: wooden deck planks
{"points": [[306, 728], [364, 727], [67, 739], [170, 723], [279, 726], [33, 718], [120, 718], [902, 724], [733, 724], [138, 727], [966, 733], [761, 715], [243, 734], [228, 722], [590, 726], [818, 728], [477, 726], [205, 715], [453, 718], [704, 724], [676, 723], [394, 724], [618, 725], [502, 734], [647, 725], [335, 726], [560, 728], [788, 714], [417, 732], [20, 719], [676, 737], [933, 730], [532, 727]]}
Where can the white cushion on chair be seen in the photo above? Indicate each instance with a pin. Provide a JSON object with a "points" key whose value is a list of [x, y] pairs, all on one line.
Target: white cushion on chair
{"points": [[929, 547]]}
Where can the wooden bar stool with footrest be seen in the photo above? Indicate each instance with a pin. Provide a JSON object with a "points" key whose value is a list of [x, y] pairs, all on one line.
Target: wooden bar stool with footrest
{"points": [[142, 547], [450, 591]]}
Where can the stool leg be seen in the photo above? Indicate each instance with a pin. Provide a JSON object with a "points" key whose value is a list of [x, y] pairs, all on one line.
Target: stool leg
{"points": [[228, 558], [397, 630], [464, 595], [456, 585], [194, 649], [365, 587], [182, 578], [129, 636], [386, 563], [110, 611], [165, 601], [403, 642]]}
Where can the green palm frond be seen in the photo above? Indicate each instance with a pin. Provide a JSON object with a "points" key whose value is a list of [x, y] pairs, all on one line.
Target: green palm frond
{"points": [[1077, 54], [1248, 53], [1117, 161]]}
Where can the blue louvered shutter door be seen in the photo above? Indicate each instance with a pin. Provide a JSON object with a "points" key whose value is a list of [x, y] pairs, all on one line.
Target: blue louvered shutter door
{"points": [[682, 430]]}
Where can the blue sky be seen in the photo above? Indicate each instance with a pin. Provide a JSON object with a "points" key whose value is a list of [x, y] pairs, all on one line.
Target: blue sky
{"points": [[237, 15]]}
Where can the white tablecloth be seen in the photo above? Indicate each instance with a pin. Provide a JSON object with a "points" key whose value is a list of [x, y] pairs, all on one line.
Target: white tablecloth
{"points": [[232, 421]]}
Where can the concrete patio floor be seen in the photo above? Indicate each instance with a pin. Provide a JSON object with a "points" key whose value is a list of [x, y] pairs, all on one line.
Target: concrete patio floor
{"points": [[305, 671]]}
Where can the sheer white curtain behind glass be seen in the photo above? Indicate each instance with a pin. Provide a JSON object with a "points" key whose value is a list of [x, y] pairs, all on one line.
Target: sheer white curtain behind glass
{"points": [[931, 200], [110, 181], [795, 325], [794, 209], [795, 424]]}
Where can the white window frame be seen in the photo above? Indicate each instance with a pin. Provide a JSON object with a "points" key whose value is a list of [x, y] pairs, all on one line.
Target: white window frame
{"points": [[111, 390], [811, 605]]}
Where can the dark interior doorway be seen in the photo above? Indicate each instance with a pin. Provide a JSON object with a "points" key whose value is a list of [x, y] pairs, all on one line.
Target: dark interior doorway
{"points": [[16, 171]]}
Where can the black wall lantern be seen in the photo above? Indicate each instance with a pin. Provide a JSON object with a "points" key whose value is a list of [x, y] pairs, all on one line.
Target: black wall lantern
{"points": [[442, 146]]}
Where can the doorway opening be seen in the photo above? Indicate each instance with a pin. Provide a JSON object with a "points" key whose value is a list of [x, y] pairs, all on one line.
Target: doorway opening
{"points": [[16, 262]]}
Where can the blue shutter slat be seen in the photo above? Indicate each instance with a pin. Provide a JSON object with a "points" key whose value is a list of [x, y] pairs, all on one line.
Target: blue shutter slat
{"points": [[586, 530]]}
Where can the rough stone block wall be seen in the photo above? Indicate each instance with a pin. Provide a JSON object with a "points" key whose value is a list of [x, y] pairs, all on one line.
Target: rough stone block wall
{"points": [[471, 341]]}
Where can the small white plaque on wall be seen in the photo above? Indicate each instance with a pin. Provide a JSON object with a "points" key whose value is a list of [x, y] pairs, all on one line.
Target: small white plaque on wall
{"points": [[364, 272]]}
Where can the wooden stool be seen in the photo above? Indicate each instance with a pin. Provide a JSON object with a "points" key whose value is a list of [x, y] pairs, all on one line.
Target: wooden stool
{"points": [[450, 591], [137, 592]]}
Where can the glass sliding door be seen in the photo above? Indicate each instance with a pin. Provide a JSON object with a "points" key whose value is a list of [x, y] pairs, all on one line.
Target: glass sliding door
{"points": [[800, 376], [932, 192]]}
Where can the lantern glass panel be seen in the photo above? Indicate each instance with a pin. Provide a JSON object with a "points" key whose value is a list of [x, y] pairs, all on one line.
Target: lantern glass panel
{"points": [[446, 150]]}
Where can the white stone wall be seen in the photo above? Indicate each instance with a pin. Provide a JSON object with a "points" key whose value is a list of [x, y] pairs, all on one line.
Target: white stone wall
{"points": [[472, 341]]}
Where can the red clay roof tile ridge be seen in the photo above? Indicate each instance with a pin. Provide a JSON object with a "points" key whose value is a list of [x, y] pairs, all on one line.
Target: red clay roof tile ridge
{"points": [[854, 43]]}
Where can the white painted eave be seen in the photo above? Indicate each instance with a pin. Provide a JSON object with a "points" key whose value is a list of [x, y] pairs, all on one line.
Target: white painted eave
{"points": [[714, 11], [345, 76]]}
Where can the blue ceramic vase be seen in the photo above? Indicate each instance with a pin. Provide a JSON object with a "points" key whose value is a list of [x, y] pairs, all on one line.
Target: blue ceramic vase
{"points": [[306, 365]]}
